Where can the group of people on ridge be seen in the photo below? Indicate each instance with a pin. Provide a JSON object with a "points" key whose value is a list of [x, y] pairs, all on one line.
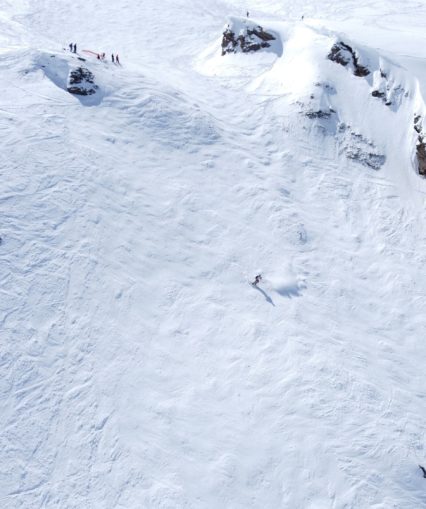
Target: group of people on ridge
{"points": [[114, 58], [100, 56]]}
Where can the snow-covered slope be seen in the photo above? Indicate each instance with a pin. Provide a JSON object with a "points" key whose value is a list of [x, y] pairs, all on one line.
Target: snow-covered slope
{"points": [[138, 366]]}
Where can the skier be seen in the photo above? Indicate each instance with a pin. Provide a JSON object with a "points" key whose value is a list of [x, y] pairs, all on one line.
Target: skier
{"points": [[248, 14], [70, 46], [257, 280], [103, 56], [117, 60], [75, 48], [112, 58]]}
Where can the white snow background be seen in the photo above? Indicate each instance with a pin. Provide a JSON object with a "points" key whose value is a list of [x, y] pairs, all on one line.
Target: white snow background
{"points": [[138, 366]]}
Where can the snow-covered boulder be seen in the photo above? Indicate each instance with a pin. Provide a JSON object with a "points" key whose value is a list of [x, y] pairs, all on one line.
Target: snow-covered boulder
{"points": [[243, 36], [345, 55], [81, 81]]}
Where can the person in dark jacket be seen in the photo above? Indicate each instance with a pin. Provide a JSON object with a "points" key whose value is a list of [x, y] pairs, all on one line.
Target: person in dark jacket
{"points": [[70, 46], [257, 280], [75, 48], [112, 58]]}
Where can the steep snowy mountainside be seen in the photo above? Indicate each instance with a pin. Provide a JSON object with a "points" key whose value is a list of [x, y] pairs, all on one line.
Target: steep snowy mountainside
{"points": [[138, 365], [316, 72]]}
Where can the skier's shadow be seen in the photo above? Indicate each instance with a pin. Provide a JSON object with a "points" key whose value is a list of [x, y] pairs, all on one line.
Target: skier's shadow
{"points": [[267, 298]]}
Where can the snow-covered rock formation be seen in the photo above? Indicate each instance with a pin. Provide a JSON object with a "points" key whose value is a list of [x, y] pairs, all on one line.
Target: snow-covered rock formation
{"points": [[81, 81], [343, 54], [242, 35], [304, 71], [420, 146]]}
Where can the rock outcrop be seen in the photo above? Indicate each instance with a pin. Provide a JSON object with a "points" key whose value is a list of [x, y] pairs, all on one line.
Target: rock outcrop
{"points": [[318, 105], [378, 93], [343, 54], [387, 89], [249, 39], [319, 114], [358, 148], [81, 82], [420, 146]]}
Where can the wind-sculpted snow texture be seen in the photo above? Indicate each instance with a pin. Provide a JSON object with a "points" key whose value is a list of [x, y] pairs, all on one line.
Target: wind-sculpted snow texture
{"points": [[139, 368]]}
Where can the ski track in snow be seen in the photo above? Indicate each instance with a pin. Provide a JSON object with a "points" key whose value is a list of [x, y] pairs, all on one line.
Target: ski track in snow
{"points": [[138, 368]]}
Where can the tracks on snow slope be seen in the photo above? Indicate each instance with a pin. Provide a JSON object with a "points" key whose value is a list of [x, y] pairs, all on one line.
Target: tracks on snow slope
{"points": [[168, 362]]}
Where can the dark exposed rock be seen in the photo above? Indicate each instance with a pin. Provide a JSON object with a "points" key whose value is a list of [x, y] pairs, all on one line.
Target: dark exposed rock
{"points": [[377, 93], [370, 159], [421, 157], [253, 39], [418, 123], [358, 148], [337, 55], [81, 82], [420, 146], [343, 54], [327, 87], [319, 114], [389, 93]]}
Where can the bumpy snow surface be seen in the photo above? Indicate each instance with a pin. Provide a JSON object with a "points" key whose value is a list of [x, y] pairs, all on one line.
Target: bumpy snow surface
{"points": [[139, 368]]}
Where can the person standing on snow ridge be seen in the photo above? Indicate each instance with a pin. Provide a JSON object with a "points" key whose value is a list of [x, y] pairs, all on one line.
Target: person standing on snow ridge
{"points": [[70, 46], [248, 14], [117, 60], [75, 48], [112, 58]]}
